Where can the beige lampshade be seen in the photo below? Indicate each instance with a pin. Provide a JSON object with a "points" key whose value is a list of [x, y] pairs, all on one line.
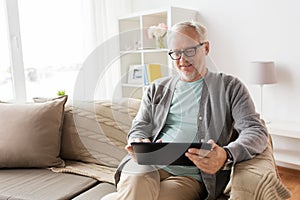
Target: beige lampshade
{"points": [[262, 72]]}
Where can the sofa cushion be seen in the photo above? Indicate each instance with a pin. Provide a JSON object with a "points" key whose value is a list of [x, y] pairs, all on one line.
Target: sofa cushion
{"points": [[30, 134], [97, 192], [96, 132], [37, 184]]}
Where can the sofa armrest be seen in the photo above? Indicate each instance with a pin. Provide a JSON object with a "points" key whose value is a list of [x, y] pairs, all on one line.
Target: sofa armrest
{"points": [[257, 178]]}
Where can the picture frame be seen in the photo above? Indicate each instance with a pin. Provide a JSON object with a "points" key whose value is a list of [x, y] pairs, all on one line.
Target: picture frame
{"points": [[135, 74]]}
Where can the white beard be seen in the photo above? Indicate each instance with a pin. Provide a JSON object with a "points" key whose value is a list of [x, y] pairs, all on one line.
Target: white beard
{"points": [[187, 77]]}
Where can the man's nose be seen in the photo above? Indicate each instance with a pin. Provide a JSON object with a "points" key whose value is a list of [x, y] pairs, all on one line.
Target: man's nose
{"points": [[183, 58]]}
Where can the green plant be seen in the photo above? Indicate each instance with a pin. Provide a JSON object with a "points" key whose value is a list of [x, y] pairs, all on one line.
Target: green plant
{"points": [[61, 92]]}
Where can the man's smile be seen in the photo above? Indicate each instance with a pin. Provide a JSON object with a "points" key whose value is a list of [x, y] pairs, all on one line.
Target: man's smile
{"points": [[186, 66]]}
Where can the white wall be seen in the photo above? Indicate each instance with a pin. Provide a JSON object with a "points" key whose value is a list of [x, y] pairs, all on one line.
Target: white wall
{"points": [[248, 30]]}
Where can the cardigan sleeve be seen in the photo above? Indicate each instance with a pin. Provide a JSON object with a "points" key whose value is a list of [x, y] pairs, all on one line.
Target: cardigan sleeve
{"points": [[253, 135]]}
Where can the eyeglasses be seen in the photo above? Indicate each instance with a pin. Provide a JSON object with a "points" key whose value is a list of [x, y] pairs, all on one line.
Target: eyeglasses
{"points": [[188, 52]]}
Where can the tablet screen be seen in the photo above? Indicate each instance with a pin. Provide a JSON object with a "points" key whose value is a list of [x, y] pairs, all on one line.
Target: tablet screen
{"points": [[150, 153]]}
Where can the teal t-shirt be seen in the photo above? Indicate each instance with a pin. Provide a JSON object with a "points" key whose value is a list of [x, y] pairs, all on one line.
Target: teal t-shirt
{"points": [[181, 123]]}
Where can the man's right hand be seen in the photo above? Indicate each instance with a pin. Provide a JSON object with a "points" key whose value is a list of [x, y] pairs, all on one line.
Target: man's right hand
{"points": [[129, 149]]}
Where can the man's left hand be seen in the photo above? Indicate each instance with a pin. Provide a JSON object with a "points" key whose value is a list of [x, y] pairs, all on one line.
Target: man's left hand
{"points": [[208, 161]]}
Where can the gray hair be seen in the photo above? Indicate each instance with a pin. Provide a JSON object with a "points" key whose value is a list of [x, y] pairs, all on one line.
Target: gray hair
{"points": [[199, 28]]}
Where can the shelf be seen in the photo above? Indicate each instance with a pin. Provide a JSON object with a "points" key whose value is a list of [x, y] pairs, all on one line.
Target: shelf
{"points": [[287, 157], [161, 12], [150, 50], [284, 129], [286, 142], [132, 85], [136, 48]]}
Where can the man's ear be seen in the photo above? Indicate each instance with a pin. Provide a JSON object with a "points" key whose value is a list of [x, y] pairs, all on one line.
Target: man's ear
{"points": [[207, 48]]}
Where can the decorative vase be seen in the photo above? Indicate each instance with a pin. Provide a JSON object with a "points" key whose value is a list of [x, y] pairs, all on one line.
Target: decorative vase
{"points": [[160, 42]]}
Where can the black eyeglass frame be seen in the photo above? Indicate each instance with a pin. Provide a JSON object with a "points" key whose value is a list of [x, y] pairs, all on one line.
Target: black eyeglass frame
{"points": [[185, 50]]}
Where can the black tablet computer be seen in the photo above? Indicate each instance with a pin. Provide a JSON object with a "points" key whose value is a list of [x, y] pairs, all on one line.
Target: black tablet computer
{"points": [[150, 153]]}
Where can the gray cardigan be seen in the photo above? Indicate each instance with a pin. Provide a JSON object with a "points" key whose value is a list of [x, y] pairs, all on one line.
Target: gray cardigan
{"points": [[225, 105]]}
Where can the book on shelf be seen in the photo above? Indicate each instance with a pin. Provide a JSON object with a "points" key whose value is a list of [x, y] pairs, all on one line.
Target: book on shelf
{"points": [[145, 74], [151, 72]]}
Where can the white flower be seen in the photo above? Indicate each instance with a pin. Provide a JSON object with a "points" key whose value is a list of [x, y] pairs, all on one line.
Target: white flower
{"points": [[157, 31]]}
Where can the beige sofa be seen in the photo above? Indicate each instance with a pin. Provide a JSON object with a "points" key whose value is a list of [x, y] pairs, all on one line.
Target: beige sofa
{"points": [[50, 150]]}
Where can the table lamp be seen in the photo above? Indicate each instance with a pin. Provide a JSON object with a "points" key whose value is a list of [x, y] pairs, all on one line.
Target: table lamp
{"points": [[262, 73]]}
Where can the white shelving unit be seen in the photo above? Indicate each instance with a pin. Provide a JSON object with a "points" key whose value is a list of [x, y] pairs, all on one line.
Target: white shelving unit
{"points": [[286, 143], [136, 48]]}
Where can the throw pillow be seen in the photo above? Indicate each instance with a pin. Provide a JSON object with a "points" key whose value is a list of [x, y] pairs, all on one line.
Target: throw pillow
{"points": [[96, 132], [30, 134]]}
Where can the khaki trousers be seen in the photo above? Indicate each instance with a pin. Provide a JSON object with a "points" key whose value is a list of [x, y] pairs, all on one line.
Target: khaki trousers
{"points": [[138, 182]]}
